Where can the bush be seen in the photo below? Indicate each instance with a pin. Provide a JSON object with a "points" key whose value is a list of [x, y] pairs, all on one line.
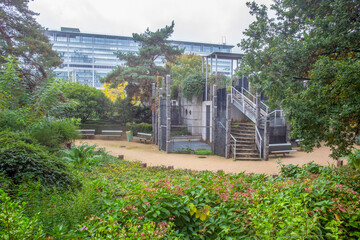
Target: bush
{"points": [[357, 140], [21, 159], [15, 120], [354, 159], [51, 132], [126, 112], [193, 85], [13, 223], [140, 127]]}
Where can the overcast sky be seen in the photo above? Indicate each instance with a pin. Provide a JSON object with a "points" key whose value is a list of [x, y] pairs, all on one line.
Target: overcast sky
{"points": [[208, 21]]}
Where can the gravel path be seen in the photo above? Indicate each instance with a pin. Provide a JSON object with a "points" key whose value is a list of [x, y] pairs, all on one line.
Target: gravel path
{"points": [[149, 153]]}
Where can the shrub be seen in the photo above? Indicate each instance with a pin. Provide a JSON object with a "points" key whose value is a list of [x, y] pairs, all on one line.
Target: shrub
{"points": [[13, 223], [52, 132], [140, 127], [21, 159], [357, 140], [354, 159], [15, 120], [193, 85], [85, 155]]}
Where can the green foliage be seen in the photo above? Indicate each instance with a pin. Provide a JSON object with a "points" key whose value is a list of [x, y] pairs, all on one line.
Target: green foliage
{"points": [[85, 155], [354, 159], [193, 85], [90, 102], [357, 140], [13, 223], [21, 36], [127, 112], [51, 132], [309, 65], [12, 86], [184, 66], [140, 71], [15, 120], [121, 200], [203, 152], [22, 159], [139, 127]]}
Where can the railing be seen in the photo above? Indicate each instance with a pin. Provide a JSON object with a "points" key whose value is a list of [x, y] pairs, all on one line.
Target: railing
{"points": [[277, 117], [258, 140], [233, 145]]}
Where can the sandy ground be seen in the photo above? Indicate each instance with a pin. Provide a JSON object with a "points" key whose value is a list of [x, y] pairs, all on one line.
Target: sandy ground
{"points": [[149, 153]]}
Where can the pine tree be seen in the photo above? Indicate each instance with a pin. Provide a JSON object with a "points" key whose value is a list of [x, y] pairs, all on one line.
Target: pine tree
{"points": [[141, 70], [22, 37]]}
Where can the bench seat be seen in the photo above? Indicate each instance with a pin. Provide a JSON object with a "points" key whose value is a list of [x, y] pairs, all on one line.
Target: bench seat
{"points": [[143, 137], [111, 133], [87, 133], [278, 148]]}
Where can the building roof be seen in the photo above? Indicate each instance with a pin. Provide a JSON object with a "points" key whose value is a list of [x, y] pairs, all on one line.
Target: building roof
{"points": [[224, 55]]}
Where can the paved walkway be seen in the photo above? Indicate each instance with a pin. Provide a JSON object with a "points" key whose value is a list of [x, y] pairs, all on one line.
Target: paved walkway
{"points": [[149, 153]]}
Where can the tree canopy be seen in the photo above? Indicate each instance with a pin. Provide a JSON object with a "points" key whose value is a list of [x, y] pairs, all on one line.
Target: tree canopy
{"points": [[141, 69], [90, 102], [21, 36], [307, 60], [183, 66]]}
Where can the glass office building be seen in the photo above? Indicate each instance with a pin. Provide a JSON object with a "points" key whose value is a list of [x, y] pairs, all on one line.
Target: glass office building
{"points": [[87, 57]]}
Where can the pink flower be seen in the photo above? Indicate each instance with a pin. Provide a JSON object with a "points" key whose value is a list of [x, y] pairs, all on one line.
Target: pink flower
{"points": [[84, 228]]}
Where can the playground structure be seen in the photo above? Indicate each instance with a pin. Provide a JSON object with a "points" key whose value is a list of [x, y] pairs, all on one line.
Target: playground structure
{"points": [[232, 122]]}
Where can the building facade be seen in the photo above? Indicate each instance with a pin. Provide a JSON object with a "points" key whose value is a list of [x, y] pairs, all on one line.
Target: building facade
{"points": [[87, 57]]}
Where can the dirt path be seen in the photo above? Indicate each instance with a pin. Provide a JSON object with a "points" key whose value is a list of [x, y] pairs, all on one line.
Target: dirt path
{"points": [[149, 153]]}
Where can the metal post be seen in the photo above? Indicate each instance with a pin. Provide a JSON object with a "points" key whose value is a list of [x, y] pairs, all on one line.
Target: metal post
{"points": [[206, 78], [214, 115], [266, 137], [153, 116], [258, 110], [228, 126], [168, 114]]}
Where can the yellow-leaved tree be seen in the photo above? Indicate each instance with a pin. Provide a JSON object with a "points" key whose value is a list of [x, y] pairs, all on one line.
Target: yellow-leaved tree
{"points": [[114, 93]]}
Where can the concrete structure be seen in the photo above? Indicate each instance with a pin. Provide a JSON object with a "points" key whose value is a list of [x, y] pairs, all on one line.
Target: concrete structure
{"points": [[88, 56]]}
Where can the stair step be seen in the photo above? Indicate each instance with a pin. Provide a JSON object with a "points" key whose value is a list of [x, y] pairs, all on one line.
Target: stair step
{"points": [[247, 159]]}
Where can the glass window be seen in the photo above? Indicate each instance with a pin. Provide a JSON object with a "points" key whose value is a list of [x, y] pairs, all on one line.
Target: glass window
{"points": [[207, 49], [216, 49], [188, 47], [111, 41], [61, 38], [123, 42], [196, 48], [74, 38], [87, 39], [99, 40]]}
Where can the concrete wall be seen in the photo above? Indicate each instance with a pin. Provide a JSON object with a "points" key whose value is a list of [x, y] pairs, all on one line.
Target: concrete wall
{"points": [[203, 119]]}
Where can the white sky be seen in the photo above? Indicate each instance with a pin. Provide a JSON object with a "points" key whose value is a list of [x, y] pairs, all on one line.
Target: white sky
{"points": [[207, 21]]}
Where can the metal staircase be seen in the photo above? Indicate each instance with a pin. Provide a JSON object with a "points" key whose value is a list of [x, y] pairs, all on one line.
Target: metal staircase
{"points": [[250, 105], [242, 140]]}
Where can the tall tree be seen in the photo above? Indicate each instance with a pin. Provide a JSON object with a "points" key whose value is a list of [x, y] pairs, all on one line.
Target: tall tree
{"points": [[307, 60], [141, 69], [21, 36], [183, 66]]}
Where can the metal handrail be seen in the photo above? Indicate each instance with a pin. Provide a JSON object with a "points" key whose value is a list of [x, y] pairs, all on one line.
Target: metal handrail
{"points": [[277, 114], [259, 144], [234, 146]]}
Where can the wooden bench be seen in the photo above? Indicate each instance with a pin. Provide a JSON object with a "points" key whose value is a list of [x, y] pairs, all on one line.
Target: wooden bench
{"points": [[111, 133], [87, 133], [143, 137], [280, 148]]}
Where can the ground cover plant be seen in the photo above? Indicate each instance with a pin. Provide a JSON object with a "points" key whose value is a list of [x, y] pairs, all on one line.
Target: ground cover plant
{"points": [[122, 200]]}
